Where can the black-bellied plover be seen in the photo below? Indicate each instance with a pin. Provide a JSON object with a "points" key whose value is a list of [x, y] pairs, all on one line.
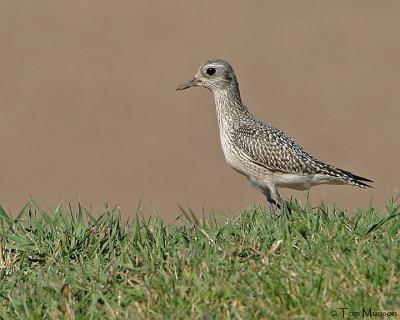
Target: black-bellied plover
{"points": [[264, 154]]}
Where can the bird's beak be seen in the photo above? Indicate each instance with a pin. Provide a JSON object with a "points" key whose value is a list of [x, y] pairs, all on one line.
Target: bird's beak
{"points": [[188, 84]]}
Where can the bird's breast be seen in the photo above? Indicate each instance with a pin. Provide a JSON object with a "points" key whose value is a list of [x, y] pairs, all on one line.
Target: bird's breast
{"points": [[232, 156], [237, 161]]}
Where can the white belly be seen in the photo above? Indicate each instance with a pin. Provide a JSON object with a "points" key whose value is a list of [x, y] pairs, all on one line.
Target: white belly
{"points": [[301, 182]]}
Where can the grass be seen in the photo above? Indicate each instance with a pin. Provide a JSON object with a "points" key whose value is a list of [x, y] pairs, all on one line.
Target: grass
{"points": [[310, 264]]}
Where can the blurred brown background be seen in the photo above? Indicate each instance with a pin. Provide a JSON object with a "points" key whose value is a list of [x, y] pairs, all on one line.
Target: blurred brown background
{"points": [[89, 109]]}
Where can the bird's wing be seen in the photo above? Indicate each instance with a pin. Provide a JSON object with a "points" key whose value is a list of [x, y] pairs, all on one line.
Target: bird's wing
{"points": [[270, 148]]}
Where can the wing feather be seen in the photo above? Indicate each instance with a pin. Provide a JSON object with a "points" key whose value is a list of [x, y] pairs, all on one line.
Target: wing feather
{"points": [[271, 148]]}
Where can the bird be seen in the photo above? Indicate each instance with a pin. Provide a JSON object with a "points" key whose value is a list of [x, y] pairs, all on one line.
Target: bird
{"points": [[268, 157]]}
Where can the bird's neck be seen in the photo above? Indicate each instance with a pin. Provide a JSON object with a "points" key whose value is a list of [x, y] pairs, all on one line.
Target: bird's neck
{"points": [[228, 104]]}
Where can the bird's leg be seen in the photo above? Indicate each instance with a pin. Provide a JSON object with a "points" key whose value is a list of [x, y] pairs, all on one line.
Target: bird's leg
{"points": [[270, 201], [278, 197], [279, 200]]}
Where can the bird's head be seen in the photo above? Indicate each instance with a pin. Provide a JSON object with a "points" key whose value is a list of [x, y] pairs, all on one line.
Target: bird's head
{"points": [[215, 75]]}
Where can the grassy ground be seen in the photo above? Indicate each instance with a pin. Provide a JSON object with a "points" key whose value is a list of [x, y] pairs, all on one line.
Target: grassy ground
{"points": [[312, 264]]}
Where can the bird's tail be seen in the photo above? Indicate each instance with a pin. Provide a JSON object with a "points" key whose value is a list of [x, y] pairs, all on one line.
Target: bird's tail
{"points": [[354, 179]]}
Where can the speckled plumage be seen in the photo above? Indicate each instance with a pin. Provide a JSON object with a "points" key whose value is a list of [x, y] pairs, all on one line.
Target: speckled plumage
{"points": [[266, 155]]}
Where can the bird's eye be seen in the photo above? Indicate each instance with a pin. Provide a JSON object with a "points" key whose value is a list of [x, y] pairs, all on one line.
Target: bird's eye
{"points": [[210, 71]]}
